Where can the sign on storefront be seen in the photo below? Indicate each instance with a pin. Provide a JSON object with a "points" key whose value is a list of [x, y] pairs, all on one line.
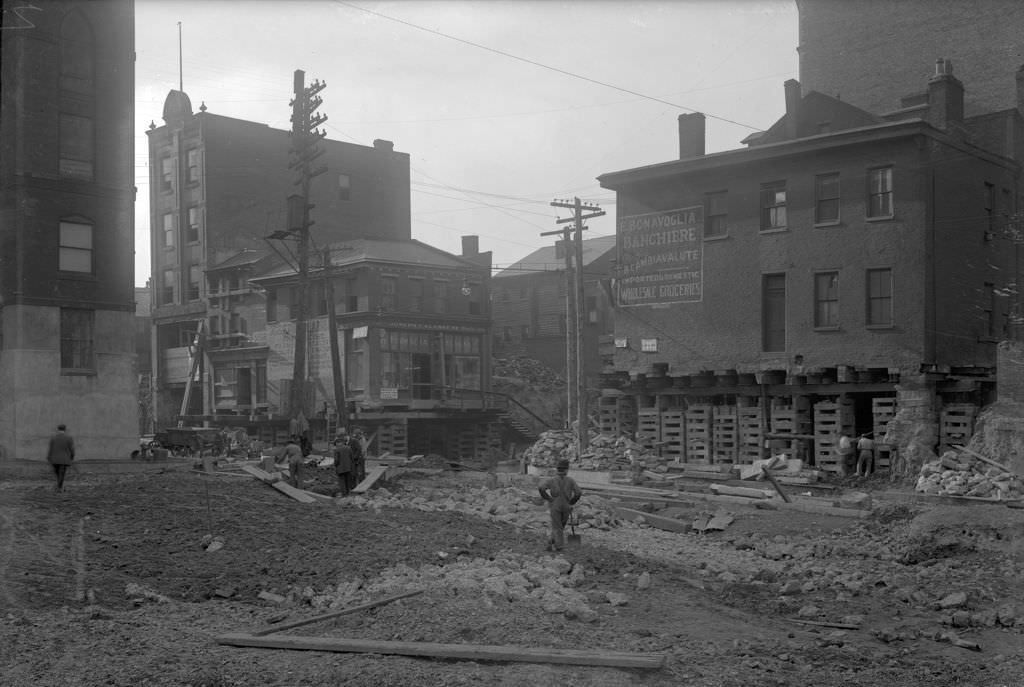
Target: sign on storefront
{"points": [[661, 257]]}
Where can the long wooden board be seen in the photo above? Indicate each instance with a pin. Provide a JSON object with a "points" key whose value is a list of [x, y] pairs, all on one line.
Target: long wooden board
{"points": [[270, 629], [370, 480], [280, 485], [472, 652], [658, 521]]}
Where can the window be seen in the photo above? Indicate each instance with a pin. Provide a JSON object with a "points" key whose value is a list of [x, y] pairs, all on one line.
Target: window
{"points": [[649, 345], [716, 214], [826, 300], [593, 316], [388, 293], [271, 305], [826, 199], [167, 288], [77, 149], [773, 313], [879, 297], [168, 230], [880, 193], [76, 336], [989, 329], [193, 282], [355, 363], [773, 205], [344, 187], [75, 253], [193, 225], [440, 297], [192, 158], [166, 174], [416, 295]]}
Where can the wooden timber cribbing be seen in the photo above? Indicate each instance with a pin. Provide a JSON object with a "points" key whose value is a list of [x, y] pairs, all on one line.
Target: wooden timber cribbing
{"points": [[471, 652]]}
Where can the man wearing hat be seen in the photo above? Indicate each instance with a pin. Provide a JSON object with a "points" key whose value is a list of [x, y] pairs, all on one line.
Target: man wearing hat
{"points": [[561, 492], [60, 454]]}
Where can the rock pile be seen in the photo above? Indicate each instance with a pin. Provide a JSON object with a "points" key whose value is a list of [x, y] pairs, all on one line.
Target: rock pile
{"points": [[964, 475], [604, 452]]}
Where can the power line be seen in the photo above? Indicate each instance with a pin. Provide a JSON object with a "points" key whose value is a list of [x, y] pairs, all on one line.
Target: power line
{"points": [[543, 66]]}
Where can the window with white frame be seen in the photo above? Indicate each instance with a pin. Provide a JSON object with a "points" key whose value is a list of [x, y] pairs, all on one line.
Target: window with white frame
{"points": [[192, 157], [193, 225], [879, 306], [880, 201], [826, 300], [716, 214], [168, 226], [166, 174], [826, 199], [773, 205]]}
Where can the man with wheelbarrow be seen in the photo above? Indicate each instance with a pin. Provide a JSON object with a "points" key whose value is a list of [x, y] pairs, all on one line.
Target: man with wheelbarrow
{"points": [[561, 492]]}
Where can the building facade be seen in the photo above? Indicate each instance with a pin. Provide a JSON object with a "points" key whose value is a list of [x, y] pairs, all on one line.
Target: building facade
{"points": [[529, 307], [843, 268], [218, 186], [66, 228]]}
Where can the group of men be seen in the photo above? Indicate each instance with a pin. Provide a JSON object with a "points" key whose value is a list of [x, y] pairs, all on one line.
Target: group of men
{"points": [[349, 460], [862, 461]]}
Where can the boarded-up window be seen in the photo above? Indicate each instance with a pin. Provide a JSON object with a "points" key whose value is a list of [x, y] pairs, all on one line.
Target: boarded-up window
{"points": [[77, 146], [76, 339]]}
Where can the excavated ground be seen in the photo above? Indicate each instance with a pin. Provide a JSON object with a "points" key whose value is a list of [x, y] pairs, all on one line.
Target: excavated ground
{"points": [[128, 581]]}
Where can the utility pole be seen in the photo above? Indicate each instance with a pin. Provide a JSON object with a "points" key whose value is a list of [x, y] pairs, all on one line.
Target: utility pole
{"points": [[305, 139], [570, 322], [332, 325], [577, 366]]}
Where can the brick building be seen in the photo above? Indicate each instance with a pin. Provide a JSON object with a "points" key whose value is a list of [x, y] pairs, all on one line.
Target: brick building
{"points": [[218, 186], [529, 306], [414, 332], [843, 268], [872, 53], [66, 228]]}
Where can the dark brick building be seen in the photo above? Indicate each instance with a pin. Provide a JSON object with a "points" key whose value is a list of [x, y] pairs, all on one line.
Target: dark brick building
{"points": [[218, 186], [843, 267], [529, 306], [66, 228]]}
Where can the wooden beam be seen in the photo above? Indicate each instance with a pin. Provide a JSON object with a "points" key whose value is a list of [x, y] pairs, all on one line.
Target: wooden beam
{"points": [[270, 629], [982, 458], [471, 652], [747, 492], [283, 487], [371, 479], [658, 521]]}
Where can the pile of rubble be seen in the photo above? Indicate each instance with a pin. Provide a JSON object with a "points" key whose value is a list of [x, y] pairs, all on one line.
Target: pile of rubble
{"points": [[604, 452], [528, 371], [965, 475]]}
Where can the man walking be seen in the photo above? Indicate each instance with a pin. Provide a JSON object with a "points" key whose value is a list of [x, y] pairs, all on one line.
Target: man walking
{"points": [[60, 454], [561, 492], [293, 456]]}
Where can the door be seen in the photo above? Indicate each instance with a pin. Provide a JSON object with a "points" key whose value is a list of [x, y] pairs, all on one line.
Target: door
{"points": [[421, 378]]}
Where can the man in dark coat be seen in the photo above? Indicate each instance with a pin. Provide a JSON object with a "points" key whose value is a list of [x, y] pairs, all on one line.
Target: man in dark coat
{"points": [[343, 463], [60, 454], [355, 443]]}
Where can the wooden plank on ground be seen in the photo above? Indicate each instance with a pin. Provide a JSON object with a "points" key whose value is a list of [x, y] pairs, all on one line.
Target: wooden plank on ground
{"points": [[281, 486], [371, 479], [270, 629], [748, 492], [662, 523], [472, 652]]}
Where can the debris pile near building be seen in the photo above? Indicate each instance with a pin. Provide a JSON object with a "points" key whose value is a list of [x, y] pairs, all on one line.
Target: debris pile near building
{"points": [[604, 451], [965, 475]]}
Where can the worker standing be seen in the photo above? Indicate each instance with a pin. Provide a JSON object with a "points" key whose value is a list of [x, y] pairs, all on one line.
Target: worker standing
{"points": [[865, 455], [355, 443], [343, 463], [293, 456], [561, 492]]}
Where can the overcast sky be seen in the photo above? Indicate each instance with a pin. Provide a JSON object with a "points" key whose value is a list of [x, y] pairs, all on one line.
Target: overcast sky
{"points": [[516, 104]]}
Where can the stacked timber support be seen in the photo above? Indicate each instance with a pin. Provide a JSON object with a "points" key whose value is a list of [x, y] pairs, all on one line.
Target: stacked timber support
{"points": [[698, 434], [751, 434], [725, 434], [831, 419], [883, 410], [393, 438], [956, 425], [648, 427], [789, 420], [673, 434]]}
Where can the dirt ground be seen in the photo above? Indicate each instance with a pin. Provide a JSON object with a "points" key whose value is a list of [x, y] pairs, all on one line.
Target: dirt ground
{"points": [[115, 582]]}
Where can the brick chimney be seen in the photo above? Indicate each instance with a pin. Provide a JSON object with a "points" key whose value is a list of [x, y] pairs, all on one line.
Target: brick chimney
{"points": [[793, 96], [382, 144], [945, 97], [470, 246], [691, 135]]}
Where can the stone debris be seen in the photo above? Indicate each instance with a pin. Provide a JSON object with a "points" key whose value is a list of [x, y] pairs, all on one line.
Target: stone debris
{"points": [[604, 452], [137, 593], [956, 474]]}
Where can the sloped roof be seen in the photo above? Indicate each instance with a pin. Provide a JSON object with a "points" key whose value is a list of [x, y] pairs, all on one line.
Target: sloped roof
{"points": [[410, 252], [246, 256], [546, 260], [815, 110]]}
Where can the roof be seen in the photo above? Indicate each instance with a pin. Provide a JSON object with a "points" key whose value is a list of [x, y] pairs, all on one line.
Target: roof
{"points": [[411, 252], [246, 256], [546, 260]]}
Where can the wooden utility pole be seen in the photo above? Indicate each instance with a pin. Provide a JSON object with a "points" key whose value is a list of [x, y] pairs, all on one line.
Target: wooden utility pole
{"points": [[305, 138], [577, 314], [332, 326], [570, 323]]}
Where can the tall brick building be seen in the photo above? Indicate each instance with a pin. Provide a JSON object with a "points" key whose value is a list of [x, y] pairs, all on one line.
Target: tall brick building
{"points": [[218, 186], [66, 228], [844, 267], [872, 53]]}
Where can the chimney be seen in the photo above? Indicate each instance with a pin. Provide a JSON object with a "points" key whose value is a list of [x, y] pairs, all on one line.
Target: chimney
{"points": [[691, 135], [1020, 89], [945, 97], [793, 96], [381, 144], [470, 246]]}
